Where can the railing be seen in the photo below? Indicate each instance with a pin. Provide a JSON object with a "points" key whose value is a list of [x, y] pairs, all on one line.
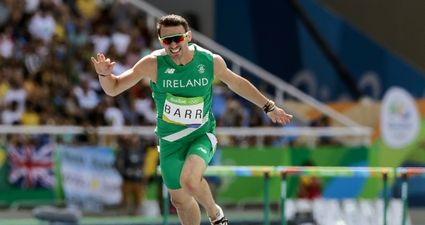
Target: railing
{"points": [[285, 171], [361, 134]]}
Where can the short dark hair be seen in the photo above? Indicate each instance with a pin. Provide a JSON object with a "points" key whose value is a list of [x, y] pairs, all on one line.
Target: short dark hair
{"points": [[171, 20]]}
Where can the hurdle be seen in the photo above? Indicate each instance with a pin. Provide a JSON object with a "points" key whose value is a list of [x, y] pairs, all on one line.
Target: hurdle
{"points": [[286, 171], [384, 172], [405, 173]]}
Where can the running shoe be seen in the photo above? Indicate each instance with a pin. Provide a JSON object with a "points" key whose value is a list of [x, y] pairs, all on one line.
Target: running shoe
{"points": [[221, 219]]}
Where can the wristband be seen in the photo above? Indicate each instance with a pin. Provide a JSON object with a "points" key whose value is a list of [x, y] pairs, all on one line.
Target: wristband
{"points": [[269, 106]]}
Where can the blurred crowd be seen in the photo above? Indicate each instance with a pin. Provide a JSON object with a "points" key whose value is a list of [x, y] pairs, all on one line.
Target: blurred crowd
{"points": [[46, 76]]}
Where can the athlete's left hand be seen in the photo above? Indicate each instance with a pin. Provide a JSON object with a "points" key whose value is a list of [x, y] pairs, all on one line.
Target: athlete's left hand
{"points": [[279, 116]]}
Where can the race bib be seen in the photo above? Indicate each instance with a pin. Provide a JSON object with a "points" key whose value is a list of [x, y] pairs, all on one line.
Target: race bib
{"points": [[183, 111]]}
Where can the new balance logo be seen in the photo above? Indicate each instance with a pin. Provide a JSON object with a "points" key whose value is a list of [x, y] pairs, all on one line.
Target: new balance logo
{"points": [[203, 150], [170, 70]]}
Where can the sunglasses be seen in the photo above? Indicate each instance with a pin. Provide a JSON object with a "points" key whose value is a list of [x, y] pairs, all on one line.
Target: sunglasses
{"points": [[176, 38]]}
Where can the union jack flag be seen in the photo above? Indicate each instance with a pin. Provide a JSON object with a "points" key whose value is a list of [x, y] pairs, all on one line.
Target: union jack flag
{"points": [[31, 165]]}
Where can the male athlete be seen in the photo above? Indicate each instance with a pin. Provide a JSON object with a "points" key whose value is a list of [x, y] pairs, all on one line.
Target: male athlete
{"points": [[181, 78]]}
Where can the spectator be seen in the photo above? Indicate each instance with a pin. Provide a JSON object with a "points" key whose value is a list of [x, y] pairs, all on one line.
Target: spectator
{"points": [[31, 6], [113, 115], [31, 116], [71, 108], [234, 112], [121, 38], [87, 9], [16, 93], [42, 24], [310, 187], [33, 59], [4, 13], [78, 32], [144, 106], [87, 98], [12, 114], [7, 44], [4, 83], [130, 164], [100, 38], [324, 121]]}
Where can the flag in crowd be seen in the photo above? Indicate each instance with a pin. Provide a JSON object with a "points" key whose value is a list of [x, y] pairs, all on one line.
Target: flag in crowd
{"points": [[31, 164]]}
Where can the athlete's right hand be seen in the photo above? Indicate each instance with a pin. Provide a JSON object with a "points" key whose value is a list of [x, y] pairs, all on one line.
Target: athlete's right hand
{"points": [[102, 65]]}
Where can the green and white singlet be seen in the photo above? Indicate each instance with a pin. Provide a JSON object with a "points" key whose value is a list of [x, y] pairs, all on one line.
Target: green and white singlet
{"points": [[183, 96], [185, 123]]}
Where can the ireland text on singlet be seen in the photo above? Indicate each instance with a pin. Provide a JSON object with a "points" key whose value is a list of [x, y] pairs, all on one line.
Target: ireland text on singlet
{"points": [[183, 95]]}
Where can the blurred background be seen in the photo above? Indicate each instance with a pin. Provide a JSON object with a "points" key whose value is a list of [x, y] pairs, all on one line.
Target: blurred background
{"points": [[351, 72]]}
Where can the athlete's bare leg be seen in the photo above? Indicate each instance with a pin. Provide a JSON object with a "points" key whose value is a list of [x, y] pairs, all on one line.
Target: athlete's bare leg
{"points": [[192, 181], [186, 206]]}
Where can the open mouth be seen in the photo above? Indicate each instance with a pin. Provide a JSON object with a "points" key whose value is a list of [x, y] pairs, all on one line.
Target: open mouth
{"points": [[175, 51]]}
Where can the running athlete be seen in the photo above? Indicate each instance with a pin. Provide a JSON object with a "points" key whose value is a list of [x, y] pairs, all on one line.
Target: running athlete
{"points": [[181, 78]]}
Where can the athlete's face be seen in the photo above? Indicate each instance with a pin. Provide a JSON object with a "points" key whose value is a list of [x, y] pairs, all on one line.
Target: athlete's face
{"points": [[175, 40]]}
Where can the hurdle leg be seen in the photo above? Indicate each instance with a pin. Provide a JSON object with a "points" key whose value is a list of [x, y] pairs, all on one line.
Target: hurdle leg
{"points": [[385, 196], [404, 189], [283, 192], [266, 198], [166, 206]]}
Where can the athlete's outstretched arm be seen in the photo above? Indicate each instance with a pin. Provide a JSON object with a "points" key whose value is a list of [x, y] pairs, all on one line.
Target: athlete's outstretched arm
{"points": [[115, 84], [244, 88]]}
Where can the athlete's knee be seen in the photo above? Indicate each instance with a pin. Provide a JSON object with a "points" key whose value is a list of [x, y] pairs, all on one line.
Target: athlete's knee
{"points": [[178, 203], [191, 175], [190, 183], [181, 202]]}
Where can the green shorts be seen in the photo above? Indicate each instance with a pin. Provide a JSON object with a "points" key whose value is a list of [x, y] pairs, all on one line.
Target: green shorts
{"points": [[172, 156]]}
